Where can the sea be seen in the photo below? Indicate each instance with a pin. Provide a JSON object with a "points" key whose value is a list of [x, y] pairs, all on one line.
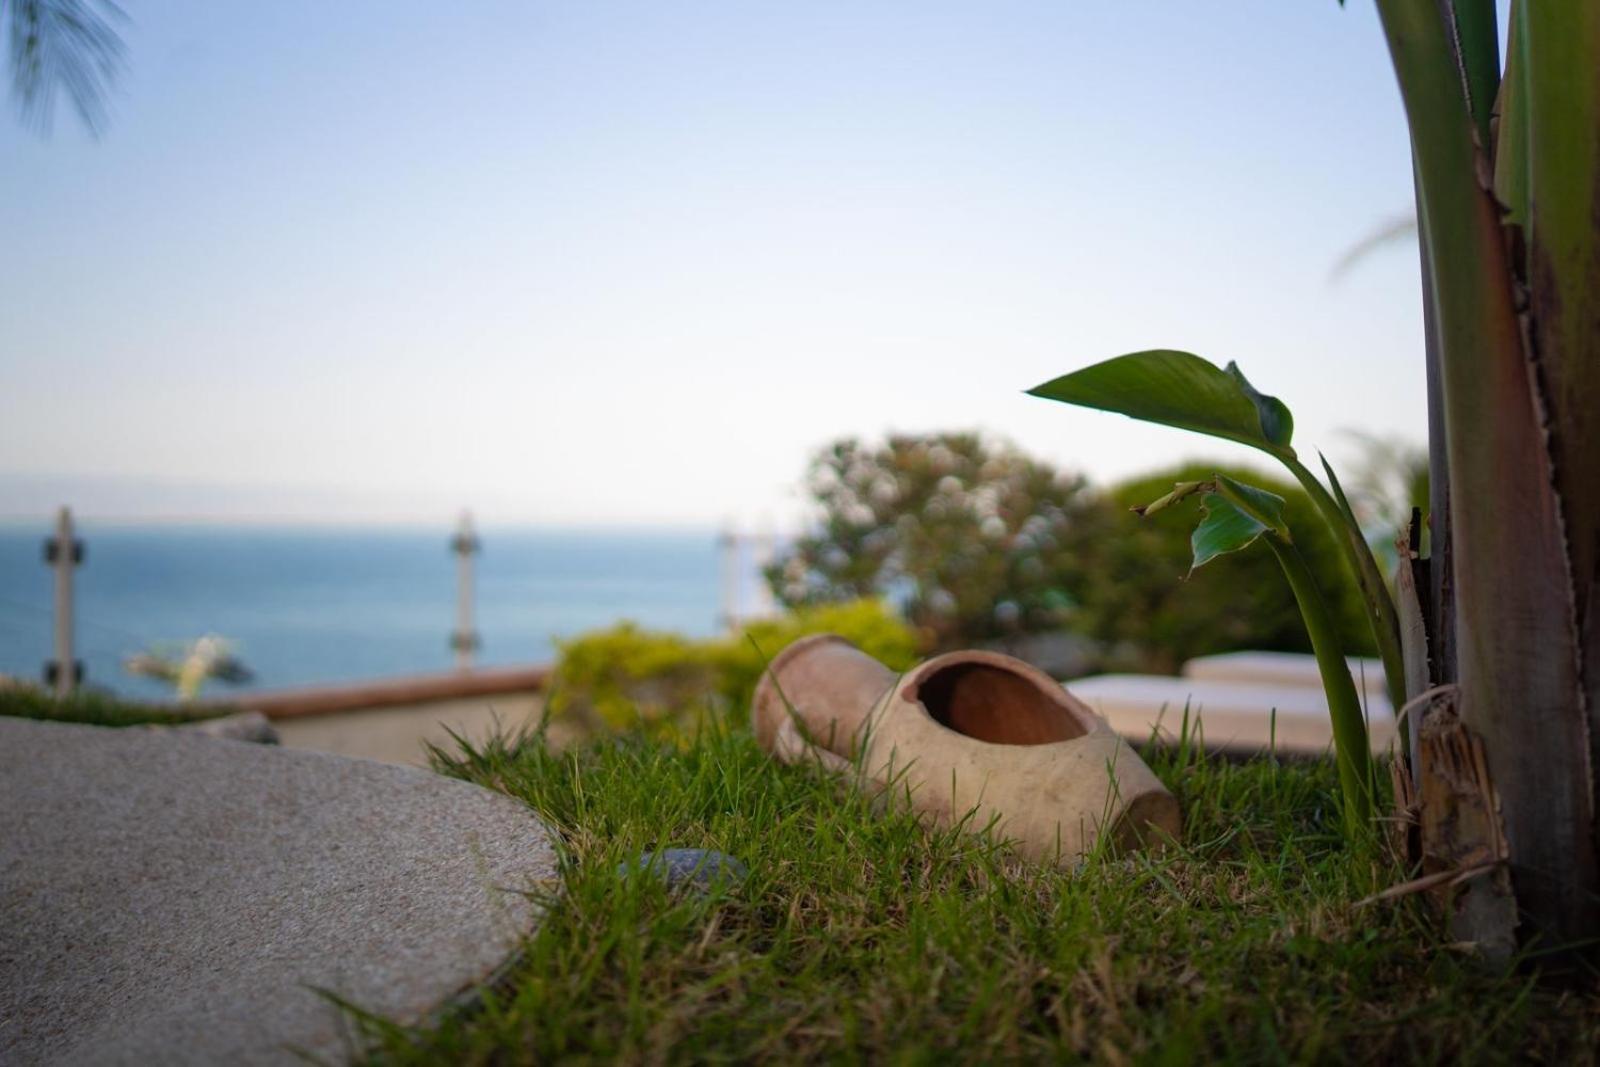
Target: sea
{"points": [[318, 605]]}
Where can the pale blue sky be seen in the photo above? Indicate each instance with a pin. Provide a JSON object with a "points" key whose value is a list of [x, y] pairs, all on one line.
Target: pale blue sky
{"points": [[597, 262]]}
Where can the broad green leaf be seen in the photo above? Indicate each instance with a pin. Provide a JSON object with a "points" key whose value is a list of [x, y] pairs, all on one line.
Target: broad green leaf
{"points": [[1178, 389], [1225, 528], [1276, 421], [1266, 508], [1235, 514]]}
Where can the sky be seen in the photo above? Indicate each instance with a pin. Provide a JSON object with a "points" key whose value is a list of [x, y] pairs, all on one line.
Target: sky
{"points": [[598, 262]]}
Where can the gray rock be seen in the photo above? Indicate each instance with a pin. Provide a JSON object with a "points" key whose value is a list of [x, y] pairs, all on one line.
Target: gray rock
{"points": [[172, 898], [697, 867]]}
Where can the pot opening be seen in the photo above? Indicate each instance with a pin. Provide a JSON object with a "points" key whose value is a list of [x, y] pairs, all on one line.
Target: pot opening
{"points": [[996, 705]]}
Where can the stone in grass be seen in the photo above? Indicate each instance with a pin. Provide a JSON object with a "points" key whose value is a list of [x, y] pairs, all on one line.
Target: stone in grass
{"points": [[698, 868], [251, 726]]}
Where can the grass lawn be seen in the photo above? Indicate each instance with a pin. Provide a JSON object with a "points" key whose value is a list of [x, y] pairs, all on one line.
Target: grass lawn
{"points": [[861, 935], [97, 709]]}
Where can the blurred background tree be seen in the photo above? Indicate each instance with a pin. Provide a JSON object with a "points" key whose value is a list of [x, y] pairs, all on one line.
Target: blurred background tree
{"points": [[976, 543], [1137, 603], [973, 539], [68, 47], [1386, 479]]}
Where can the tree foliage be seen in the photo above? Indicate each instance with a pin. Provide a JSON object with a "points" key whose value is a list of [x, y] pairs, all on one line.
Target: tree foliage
{"points": [[973, 538]]}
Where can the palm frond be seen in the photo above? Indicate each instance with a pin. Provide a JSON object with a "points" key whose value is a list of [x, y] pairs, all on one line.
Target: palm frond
{"points": [[1391, 232], [65, 46]]}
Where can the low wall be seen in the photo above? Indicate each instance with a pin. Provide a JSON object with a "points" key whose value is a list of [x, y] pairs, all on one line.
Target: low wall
{"points": [[393, 720], [400, 734]]}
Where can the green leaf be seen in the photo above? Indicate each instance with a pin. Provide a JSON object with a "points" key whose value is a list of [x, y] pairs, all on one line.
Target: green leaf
{"points": [[1345, 509], [1235, 516], [1224, 529], [1511, 147], [1474, 25], [1178, 389], [1276, 421], [1266, 508]]}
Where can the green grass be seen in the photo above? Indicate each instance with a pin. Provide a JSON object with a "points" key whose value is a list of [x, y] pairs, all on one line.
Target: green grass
{"points": [[96, 709], [861, 935]]}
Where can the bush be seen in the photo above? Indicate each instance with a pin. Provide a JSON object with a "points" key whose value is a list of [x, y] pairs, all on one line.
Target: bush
{"points": [[867, 624], [1151, 617], [625, 676], [974, 538]]}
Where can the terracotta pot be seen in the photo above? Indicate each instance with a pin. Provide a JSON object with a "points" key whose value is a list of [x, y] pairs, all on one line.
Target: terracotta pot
{"points": [[974, 733]]}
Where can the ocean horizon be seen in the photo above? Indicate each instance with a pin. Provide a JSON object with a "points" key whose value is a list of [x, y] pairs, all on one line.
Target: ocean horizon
{"points": [[308, 604]]}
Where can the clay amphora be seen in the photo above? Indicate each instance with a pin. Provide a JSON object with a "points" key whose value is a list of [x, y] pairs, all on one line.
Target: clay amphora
{"points": [[974, 733]]}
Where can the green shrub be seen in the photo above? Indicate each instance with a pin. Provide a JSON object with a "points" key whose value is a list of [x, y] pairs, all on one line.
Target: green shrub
{"points": [[626, 676], [867, 624], [1151, 618]]}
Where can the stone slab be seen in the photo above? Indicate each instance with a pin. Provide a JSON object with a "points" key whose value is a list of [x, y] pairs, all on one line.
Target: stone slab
{"points": [[174, 898], [1233, 715]]}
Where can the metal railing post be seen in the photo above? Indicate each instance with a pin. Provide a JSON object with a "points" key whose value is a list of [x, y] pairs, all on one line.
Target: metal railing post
{"points": [[732, 593], [63, 553], [464, 639]]}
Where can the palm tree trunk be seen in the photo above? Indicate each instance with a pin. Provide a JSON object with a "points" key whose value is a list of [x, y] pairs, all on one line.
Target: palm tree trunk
{"points": [[1522, 729]]}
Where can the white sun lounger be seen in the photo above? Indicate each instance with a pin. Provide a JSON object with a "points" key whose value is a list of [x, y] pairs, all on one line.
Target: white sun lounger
{"points": [[1280, 668], [1230, 715]]}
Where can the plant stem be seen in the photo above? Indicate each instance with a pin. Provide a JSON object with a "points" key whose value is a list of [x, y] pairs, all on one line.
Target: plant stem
{"points": [[1381, 613], [1351, 747]]}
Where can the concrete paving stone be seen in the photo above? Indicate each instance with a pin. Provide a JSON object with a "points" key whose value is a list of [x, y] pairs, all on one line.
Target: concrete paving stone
{"points": [[167, 897]]}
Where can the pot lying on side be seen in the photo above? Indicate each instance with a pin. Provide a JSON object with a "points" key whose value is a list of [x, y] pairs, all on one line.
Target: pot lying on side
{"points": [[966, 732]]}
